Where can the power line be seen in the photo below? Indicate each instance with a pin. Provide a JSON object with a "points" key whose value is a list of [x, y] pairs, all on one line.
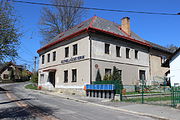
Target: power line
{"points": [[99, 9]]}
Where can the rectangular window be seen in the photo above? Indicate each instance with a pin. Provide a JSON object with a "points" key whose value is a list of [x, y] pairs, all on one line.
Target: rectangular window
{"points": [[74, 75], [118, 52], [65, 76], [108, 71], [127, 53], [42, 59], [136, 54], [5, 76], [142, 75], [163, 59], [48, 57], [75, 49], [107, 48], [54, 56], [67, 52], [42, 78]]}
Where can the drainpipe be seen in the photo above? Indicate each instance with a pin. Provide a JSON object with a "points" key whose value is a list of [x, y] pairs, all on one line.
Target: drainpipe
{"points": [[90, 57]]}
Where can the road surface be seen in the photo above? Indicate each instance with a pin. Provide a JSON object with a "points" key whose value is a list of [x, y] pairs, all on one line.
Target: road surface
{"points": [[17, 103]]}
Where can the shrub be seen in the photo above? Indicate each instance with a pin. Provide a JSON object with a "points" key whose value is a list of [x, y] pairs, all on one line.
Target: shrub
{"points": [[34, 78]]}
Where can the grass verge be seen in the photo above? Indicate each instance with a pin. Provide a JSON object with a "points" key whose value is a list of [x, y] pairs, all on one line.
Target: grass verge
{"points": [[31, 86], [149, 99]]}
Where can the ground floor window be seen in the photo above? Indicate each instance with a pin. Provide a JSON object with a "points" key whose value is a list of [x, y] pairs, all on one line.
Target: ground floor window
{"points": [[5, 76], [142, 75], [74, 75], [107, 71], [41, 78], [65, 76]]}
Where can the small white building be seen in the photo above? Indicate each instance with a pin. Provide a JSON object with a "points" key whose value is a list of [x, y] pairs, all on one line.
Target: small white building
{"points": [[174, 63]]}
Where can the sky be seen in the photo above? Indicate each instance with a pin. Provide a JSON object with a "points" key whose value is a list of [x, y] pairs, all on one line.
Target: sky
{"points": [[159, 29]]}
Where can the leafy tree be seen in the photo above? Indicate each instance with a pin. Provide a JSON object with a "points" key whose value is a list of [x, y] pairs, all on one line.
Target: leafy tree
{"points": [[116, 75], [98, 76], [58, 19], [9, 35]]}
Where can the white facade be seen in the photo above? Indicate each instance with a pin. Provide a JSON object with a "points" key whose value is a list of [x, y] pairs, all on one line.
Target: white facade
{"points": [[175, 69], [90, 57]]}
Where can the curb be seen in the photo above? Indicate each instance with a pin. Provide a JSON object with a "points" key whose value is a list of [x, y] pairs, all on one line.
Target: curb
{"points": [[109, 107]]}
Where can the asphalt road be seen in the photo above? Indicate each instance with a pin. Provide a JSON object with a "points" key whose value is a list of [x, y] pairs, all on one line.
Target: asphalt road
{"points": [[17, 103]]}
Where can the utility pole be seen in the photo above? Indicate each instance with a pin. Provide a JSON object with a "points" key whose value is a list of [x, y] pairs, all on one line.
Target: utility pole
{"points": [[35, 63]]}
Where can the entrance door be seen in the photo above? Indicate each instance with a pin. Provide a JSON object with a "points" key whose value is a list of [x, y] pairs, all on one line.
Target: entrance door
{"points": [[52, 78]]}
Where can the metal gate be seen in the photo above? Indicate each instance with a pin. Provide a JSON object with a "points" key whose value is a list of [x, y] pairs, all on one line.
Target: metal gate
{"points": [[175, 96]]}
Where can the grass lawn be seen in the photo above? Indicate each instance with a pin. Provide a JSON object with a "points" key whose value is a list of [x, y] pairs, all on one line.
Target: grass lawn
{"points": [[31, 86], [148, 99]]}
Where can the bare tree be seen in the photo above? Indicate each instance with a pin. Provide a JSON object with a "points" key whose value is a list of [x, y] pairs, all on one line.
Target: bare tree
{"points": [[58, 19], [172, 47]]}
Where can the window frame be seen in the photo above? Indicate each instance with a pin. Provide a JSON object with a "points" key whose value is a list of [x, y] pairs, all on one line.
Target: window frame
{"points": [[54, 56], [107, 48], [42, 59], [107, 71], [74, 75], [142, 72], [48, 57], [136, 56], [128, 53], [66, 52], [75, 49], [65, 76], [5, 76], [118, 51]]}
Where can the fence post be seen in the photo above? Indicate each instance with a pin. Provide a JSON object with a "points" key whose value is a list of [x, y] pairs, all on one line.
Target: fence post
{"points": [[121, 99], [142, 87], [172, 97]]}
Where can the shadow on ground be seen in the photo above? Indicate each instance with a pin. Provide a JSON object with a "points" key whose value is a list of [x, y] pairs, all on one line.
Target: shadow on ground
{"points": [[24, 113]]}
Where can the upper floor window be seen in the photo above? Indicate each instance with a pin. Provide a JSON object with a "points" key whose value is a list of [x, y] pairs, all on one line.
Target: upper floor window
{"points": [[163, 59], [136, 54], [54, 56], [118, 52], [74, 75], [42, 59], [65, 76], [127, 53], [67, 52], [75, 49], [48, 57], [107, 48]]}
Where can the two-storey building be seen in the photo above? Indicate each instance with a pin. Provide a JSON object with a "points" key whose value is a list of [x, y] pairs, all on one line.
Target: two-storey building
{"points": [[72, 58]]}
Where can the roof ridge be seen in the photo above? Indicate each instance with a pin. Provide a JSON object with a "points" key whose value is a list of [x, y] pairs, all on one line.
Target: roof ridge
{"points": [[74, 26], [93, 18], [118, 25]]}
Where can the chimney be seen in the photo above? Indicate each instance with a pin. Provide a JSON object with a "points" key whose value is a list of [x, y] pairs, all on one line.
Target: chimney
{"points": [[125, 25]]}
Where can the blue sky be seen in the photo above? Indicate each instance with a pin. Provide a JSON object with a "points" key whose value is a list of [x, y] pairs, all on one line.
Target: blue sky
{"points": [[163, 30]]}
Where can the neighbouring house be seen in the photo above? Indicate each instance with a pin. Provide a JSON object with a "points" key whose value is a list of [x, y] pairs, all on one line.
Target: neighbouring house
{"points": [[174, 63], [72, 58], [11, 72]]}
